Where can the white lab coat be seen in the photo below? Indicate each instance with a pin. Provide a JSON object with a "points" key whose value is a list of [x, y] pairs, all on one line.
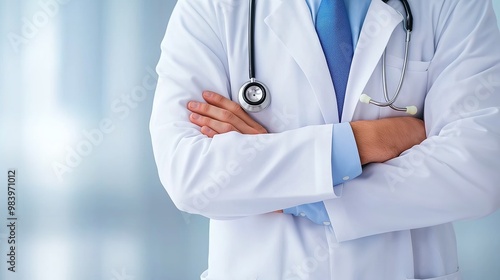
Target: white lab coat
{"points": [[391, 223]]}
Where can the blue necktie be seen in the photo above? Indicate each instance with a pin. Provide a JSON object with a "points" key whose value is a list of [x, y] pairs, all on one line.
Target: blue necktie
{"points": [[334, 32]]}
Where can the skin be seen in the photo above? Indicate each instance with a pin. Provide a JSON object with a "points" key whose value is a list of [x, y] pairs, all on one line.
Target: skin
{"points": [[377, 140]]}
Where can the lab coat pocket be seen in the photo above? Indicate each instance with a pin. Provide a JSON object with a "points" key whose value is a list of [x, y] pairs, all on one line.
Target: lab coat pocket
{"points": [[453, 276], [413, 65], [413, 90]]}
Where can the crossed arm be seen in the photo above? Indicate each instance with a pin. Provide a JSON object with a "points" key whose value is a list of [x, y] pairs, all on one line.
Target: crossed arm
{"points": [[377, 140]]}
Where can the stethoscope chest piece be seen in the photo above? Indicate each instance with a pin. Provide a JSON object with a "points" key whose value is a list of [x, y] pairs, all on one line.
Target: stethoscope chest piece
{"points": [[254, 96]]}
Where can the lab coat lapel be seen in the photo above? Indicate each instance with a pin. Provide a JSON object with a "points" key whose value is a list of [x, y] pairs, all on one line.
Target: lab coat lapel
{"points": [[380, 22], [291, 22]]}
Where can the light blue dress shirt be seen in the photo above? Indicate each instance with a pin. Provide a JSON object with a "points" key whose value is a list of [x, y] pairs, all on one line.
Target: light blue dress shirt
{"points": [[345, 157]]}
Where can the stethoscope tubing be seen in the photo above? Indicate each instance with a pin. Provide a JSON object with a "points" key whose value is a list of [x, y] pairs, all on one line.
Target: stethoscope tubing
{"points": [[256, 106], [389, 102], [251, 40]]}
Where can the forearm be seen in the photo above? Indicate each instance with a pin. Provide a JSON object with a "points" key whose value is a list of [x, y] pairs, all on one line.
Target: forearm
{"points": [[385, 139]]}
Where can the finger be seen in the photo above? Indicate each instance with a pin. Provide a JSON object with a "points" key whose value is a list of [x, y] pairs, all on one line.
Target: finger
{"points": [[208, 131], [222, 102], [221, 115], [218, 126]]}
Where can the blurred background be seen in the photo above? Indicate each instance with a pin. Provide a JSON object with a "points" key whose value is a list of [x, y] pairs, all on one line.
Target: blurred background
{"points": [[76, 86]]}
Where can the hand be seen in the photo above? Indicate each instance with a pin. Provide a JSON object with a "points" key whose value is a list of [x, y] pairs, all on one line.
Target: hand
{"points": [[222, 115], [385, 139]]}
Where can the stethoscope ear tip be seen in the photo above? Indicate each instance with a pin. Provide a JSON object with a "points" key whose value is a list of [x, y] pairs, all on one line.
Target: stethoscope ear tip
{"points": [[411, 110], [365, 98]]}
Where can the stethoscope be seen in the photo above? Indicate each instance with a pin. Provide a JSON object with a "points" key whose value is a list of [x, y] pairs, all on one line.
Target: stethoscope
{"points": [[364, 98], [254, 95]]}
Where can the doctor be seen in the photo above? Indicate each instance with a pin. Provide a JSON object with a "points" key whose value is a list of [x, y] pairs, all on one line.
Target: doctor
{"points": [[389, 220]]}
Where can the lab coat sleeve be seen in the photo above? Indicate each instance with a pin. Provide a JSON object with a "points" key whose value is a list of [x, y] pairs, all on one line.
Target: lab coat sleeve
{"points": [[231, 175], [454, 174]]}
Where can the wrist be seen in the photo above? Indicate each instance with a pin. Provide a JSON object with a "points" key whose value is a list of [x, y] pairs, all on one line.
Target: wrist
{"points": [[365, 140]]}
